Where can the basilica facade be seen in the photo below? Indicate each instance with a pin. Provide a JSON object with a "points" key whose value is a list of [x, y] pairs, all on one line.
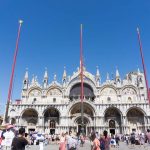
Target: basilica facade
{"points": [[116, 105]]}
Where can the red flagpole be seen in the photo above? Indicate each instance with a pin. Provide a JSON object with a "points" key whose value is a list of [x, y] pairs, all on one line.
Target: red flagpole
{"points": [[81, 64], [12, 73], [143, 64], [81, 75]]}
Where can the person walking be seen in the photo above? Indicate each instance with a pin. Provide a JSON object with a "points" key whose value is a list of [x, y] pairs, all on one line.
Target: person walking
{"points": [[96, 143], [20, 142]]}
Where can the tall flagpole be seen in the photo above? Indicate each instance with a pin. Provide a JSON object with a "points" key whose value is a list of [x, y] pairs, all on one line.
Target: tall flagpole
{"points": [[143, 64], [12, 73], [81, 75]]}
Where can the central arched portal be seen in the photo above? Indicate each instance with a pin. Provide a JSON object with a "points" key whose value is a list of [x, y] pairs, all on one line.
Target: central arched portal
{"points": [[88, 118], [51, 120]]}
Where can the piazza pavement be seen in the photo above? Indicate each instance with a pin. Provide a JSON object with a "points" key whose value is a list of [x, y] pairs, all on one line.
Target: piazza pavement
{"points": [[122, 146]]}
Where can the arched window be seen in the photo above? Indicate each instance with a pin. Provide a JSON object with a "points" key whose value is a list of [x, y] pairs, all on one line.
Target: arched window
{"points": [[129, 99], [75, 92]]}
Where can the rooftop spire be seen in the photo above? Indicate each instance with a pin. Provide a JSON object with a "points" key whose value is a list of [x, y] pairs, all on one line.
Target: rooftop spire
{"points": [[138, 71], [107, 77], [46, 73], [64, 74], [26, 74], [55, 77], [97, 71], [117, 73], [45, 81], [97, 76]]}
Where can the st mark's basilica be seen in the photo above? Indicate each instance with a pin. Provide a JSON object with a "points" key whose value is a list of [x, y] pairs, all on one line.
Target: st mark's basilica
{"points": [[116, 105]]}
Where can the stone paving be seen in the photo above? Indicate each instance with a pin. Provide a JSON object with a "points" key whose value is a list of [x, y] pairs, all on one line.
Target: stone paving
{"points": [[123, 146]]}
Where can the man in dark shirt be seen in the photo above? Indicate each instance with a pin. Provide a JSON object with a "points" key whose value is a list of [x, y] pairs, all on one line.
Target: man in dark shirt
{"points": [[19, 142]]}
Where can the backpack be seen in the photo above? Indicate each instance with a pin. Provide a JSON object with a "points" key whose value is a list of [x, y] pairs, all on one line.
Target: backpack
{"points": [[102, 144]]}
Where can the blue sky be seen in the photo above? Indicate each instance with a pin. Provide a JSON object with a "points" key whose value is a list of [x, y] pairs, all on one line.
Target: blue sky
{"points": [[50, 37]]}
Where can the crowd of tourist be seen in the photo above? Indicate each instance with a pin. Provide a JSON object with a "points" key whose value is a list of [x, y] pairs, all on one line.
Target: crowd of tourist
{"points": [[18, 139]]}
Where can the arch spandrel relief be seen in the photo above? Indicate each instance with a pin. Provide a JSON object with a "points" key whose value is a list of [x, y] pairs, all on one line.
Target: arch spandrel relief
{"points": [[129, 95], [35, 93], [129, 91], [108, 94], [54, 92], [108, 91]]}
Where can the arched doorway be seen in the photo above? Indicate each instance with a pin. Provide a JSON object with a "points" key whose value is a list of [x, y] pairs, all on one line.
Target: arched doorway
{"points": [[135, 120], [78, 122], [51, 120], [113, 120], [88, 117], [30, 119]]}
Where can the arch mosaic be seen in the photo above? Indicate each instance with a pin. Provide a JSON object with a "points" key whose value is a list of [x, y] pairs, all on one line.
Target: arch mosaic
{"points": [[74, 120], [49, 108], [129, 90], [77, 81], [137, 108], [75, 92], [29, 117], [35, 92], [108, 90], [112, 110], [51, 114], [135, 120], [54, 92], [74, 103]]}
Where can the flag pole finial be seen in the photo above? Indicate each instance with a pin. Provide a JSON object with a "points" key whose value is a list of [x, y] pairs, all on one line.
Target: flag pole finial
{"points": [[138, 30], [20, 21]]}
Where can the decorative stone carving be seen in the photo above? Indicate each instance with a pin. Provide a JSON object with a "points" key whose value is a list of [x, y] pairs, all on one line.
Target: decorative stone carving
{"points": [[35, 93], [54, 91], [107, 91], [129, 91]]}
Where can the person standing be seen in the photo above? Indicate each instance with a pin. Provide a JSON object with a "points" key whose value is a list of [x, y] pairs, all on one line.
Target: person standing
{"points": [[67, 138], [148, 136], [20, 142], [8, 135], [107, 140], [62, 143], [142, 139]]}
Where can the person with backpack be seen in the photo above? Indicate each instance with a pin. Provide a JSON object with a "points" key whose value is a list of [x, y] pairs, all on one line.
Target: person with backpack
{"points": [[102, 143]]}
